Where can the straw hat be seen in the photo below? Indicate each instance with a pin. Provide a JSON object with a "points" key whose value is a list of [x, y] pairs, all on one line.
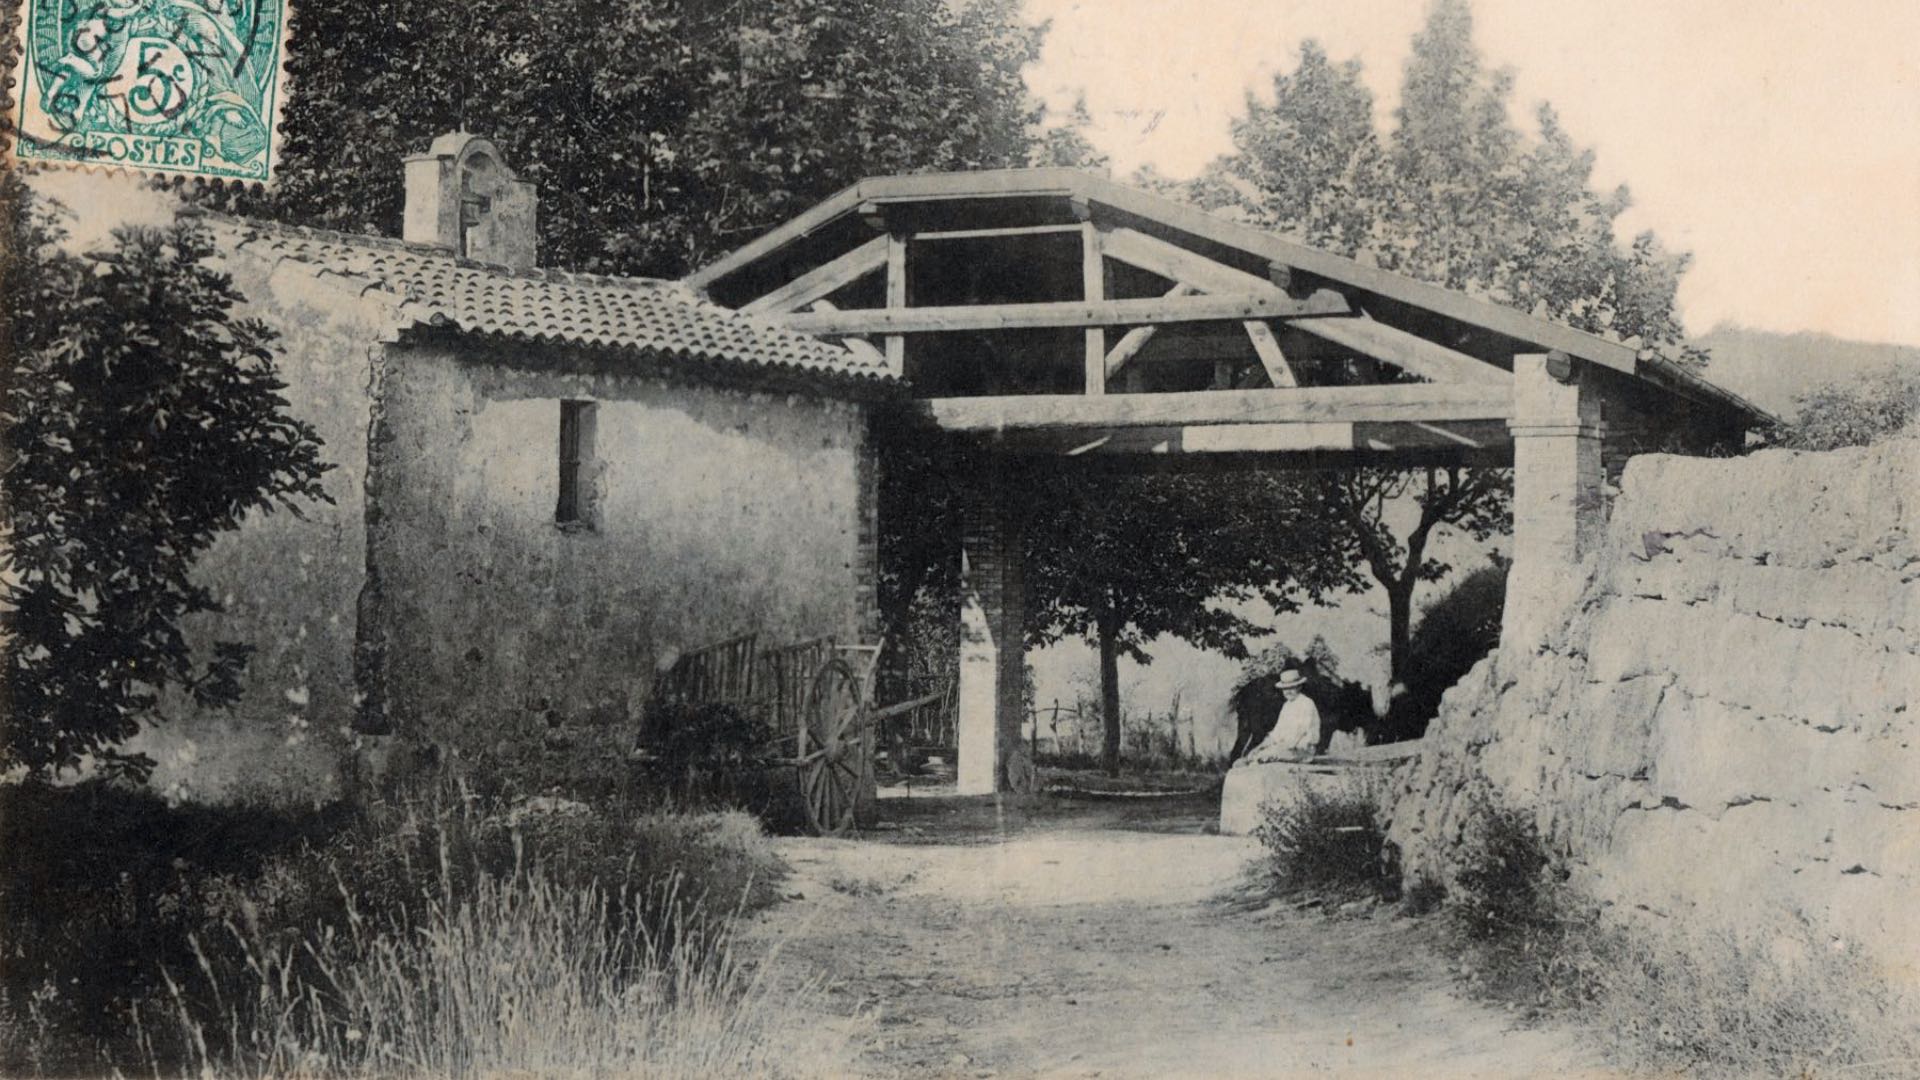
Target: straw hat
{"points": [[1291, 679]]}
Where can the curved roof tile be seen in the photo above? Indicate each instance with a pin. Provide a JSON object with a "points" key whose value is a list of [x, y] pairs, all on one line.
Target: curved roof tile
{"points": [[433, 287]]}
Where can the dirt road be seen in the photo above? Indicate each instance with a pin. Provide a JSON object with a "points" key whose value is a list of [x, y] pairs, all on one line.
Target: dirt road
{"points": [[1104, 941]]}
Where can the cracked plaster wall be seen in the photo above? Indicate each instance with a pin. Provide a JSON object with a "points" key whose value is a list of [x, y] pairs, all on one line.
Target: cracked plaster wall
{"points": [[1723, 731]]}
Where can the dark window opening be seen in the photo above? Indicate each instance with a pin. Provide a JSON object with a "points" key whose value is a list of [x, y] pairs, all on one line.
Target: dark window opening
{"points": [[576, 451]]}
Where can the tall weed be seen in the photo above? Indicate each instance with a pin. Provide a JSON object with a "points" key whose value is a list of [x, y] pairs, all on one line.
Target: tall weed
{"points": [[517, 974], [1669, 998], [1329, 845]]}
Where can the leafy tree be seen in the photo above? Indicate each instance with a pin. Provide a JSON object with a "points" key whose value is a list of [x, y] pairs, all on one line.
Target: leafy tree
{"points": [[1454, 194], [661, 132], [1134, 557], [1855, 413], [139, 419], [1454, 633]]}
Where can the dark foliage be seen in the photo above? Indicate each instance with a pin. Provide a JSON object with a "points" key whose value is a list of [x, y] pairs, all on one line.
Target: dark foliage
{"points": [[1459, 630], [1856, 413], [1524, 936], [662, 133], [717, 755], [103, 885], [139, 419], [1329, 846], [108, 888], [1503, 888]]}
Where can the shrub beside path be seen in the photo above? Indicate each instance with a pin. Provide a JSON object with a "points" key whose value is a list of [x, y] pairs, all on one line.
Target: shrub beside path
{"points": [[1111, 939]]}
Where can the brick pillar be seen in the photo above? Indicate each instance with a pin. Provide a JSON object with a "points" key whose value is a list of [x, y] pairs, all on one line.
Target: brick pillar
{"points": [[866, 552], [992, 640], [1559, 496], [866, 587]]}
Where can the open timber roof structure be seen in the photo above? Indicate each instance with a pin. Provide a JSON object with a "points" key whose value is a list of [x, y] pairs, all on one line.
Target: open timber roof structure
{"points": [[1012, 267]]}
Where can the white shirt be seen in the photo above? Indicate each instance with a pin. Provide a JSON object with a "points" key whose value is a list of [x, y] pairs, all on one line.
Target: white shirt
{"points": [[1295, 734]]}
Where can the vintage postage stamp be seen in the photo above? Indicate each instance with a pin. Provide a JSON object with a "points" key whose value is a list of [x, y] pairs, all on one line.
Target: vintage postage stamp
{"points": [[165, 86]]}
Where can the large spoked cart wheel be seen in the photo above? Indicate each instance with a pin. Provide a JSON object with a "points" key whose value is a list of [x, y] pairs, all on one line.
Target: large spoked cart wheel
{"points": [[833, 748]]}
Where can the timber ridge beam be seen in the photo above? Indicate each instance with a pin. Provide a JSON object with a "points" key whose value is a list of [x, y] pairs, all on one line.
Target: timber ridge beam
{"points": [[1071, 313]]}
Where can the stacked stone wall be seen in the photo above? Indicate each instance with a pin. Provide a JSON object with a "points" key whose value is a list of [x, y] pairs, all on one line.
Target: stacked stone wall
{"points": [[1715, 720]]}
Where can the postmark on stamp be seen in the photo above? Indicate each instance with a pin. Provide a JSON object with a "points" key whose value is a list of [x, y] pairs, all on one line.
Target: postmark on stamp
{"points": [[167, 86]]}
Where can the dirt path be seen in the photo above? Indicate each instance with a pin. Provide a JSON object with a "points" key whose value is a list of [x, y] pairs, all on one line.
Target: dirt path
{"points": [[1073, 944]]}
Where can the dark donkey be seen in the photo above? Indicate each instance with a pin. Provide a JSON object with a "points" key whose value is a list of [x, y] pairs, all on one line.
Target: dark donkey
{"points": [[1344, 706]]}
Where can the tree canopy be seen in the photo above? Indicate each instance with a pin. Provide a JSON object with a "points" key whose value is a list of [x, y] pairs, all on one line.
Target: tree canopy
{"points": [[139, 419], [661, 132], [1456, 194]]}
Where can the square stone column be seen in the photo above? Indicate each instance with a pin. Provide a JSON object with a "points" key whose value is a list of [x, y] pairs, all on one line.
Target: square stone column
{"points": [[1559, 477], [1559, 491], [992, 640]]}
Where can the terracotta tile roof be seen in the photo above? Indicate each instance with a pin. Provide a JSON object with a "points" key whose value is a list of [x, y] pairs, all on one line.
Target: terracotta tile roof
{"points": [[433, 288]]}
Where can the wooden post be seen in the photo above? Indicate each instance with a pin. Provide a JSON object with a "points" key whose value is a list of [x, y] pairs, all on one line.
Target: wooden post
{"points": [[1093, 279], [896, 298]]}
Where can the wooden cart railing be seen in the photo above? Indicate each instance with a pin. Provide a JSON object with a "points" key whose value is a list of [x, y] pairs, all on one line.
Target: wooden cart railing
{"points": [[816, 696]]}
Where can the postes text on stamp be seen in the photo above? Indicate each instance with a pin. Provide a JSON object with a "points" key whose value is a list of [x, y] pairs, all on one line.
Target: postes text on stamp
{"points": [[170, 86]]}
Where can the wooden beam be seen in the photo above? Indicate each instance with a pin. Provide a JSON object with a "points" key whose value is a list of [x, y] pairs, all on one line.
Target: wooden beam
{"points": [[1071, 313], [1077, 184], [1409, 352], [1138, 337], [1406, 441], [986, 234], [859, 347], [1093, 286], [823, 280], [896, 300], [1279, 372], [824, 213], [1403, 402]]}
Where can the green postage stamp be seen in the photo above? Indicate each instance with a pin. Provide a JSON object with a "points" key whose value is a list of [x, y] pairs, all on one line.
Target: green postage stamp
{"points": [[169, 86]]}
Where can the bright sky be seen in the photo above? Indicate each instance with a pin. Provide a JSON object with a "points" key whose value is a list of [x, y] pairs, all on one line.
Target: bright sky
{"points": [[1777, 140]]}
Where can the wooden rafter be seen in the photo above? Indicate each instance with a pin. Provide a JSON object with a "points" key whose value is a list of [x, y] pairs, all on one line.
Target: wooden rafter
{"points": [[1279, 372], [824, 280], [928, 320], [1134, 340], [1409, 352]]}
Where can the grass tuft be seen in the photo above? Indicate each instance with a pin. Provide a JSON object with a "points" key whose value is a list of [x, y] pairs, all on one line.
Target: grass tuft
{"points": [[1329, 846], [437, 931], [1671, 999]]}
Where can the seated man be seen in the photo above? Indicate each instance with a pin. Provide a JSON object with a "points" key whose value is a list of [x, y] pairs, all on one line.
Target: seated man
{"points": [[1296, 735]]}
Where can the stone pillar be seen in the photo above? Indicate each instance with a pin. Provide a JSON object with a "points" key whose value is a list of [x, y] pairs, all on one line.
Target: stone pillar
{"points": [[1559, 495], [992, 640], [1559, 498]]}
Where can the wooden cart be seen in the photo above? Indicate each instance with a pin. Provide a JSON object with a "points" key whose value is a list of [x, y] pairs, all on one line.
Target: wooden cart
{"points": [[817, 695]]}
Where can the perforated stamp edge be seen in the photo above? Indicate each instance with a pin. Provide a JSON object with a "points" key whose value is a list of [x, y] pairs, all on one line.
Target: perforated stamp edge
{"points": [[16, 26]]}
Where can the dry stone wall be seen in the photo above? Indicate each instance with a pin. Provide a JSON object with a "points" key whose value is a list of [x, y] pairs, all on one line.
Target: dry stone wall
{"points": [[1716, 723]]}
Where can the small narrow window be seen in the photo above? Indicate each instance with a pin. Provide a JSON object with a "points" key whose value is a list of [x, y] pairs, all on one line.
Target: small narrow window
{"points": [[576, 452]]}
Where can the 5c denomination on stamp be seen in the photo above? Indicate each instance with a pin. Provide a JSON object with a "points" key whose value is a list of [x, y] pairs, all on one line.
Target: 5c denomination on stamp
{"points": [[168, 86]]}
